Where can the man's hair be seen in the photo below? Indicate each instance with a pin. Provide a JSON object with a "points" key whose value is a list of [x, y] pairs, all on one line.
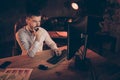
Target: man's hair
{"points": [[33, 13]]}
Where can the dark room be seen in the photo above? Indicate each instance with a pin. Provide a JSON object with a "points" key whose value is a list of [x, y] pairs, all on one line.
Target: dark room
{"points": [[59, 39]]}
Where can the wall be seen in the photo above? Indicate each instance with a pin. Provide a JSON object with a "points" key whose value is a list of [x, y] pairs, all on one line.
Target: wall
{"points": [[111, 22]]}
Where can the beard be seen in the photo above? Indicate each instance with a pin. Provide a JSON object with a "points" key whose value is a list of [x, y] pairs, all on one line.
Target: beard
{"points": [[33, 27]]}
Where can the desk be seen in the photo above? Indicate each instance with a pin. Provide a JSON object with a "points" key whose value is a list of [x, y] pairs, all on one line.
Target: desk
{"points": [[57, 72]]}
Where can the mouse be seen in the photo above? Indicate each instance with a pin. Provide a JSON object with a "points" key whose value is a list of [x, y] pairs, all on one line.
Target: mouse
{"points": [[42, 67]]}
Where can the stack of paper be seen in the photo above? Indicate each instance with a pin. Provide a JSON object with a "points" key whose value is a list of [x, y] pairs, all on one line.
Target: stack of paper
{"points": [[16, 74]]}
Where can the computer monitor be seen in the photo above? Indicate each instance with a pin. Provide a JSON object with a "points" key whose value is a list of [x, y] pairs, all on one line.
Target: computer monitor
{"points": [[75, 36], [74, 41]]}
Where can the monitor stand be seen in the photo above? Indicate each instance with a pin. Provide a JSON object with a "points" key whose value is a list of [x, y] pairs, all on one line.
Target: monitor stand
{"points": [[79, 60], [81, 63]]}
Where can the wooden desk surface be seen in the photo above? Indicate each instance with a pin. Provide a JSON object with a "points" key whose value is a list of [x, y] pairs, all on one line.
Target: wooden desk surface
{"points": [[56, 72]]}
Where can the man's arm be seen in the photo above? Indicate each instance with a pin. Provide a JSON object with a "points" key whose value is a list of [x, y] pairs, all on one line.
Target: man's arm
{"points": [[26, 47], [52, 44]]}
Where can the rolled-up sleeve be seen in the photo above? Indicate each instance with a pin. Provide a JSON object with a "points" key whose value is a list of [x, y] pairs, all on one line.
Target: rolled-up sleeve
{"points": [[34, 48]]}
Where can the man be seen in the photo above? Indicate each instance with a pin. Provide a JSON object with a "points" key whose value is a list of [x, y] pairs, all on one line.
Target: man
{"points": [[31, 37]]}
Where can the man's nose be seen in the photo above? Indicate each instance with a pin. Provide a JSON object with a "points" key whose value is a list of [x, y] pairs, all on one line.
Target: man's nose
{"points": [[38, 24]]}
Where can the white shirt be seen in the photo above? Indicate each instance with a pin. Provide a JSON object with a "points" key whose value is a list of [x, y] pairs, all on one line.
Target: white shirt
{"points": [[27, 42]]}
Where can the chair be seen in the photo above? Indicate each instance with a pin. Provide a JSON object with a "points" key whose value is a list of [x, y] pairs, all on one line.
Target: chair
{"points": [[16, 48]]}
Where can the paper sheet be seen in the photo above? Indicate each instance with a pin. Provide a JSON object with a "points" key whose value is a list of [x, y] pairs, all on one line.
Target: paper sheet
{"points": [[16, 74]]}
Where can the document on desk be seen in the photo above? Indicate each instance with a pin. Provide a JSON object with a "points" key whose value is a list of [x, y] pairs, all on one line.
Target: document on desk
{"points": [[16, 74]]}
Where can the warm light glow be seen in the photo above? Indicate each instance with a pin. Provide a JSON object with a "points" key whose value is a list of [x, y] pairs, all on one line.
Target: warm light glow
{"points": [[69, 20], [57, 34], [75, 6], [62, 33]]}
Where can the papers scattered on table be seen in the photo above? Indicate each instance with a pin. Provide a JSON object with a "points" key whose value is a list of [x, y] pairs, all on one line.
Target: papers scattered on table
{"points": [[16, 74]]}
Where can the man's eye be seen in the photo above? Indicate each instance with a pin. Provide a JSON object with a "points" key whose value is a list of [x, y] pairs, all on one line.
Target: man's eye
{"points": [[35, 21]]}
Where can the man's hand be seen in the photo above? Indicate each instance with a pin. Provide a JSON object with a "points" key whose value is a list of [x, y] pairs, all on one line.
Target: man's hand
{"points": [[38, 35], [57, 52]]}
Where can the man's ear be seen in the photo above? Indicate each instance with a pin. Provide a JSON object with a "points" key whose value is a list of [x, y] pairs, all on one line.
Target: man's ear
{"points": [[27, 20]]}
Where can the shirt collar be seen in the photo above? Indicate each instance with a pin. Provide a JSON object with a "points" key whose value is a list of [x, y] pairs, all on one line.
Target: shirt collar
{"points": [[27, 28]]}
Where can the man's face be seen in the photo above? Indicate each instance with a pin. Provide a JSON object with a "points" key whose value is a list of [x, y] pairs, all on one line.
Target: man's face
{"points": [[33, 21]]}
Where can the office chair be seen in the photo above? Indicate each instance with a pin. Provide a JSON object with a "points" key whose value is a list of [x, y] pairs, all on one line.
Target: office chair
{"points": [[16, 48]]}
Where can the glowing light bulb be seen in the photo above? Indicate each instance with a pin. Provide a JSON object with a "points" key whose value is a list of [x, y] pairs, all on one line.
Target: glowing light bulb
{"points": [[75, 6]]}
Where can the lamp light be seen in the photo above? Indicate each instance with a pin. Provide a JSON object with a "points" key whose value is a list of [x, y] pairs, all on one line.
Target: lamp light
{"points": [[75, 6]]}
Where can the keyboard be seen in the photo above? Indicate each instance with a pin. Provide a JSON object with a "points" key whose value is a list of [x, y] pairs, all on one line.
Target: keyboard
{"points": [[55, 59]]}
